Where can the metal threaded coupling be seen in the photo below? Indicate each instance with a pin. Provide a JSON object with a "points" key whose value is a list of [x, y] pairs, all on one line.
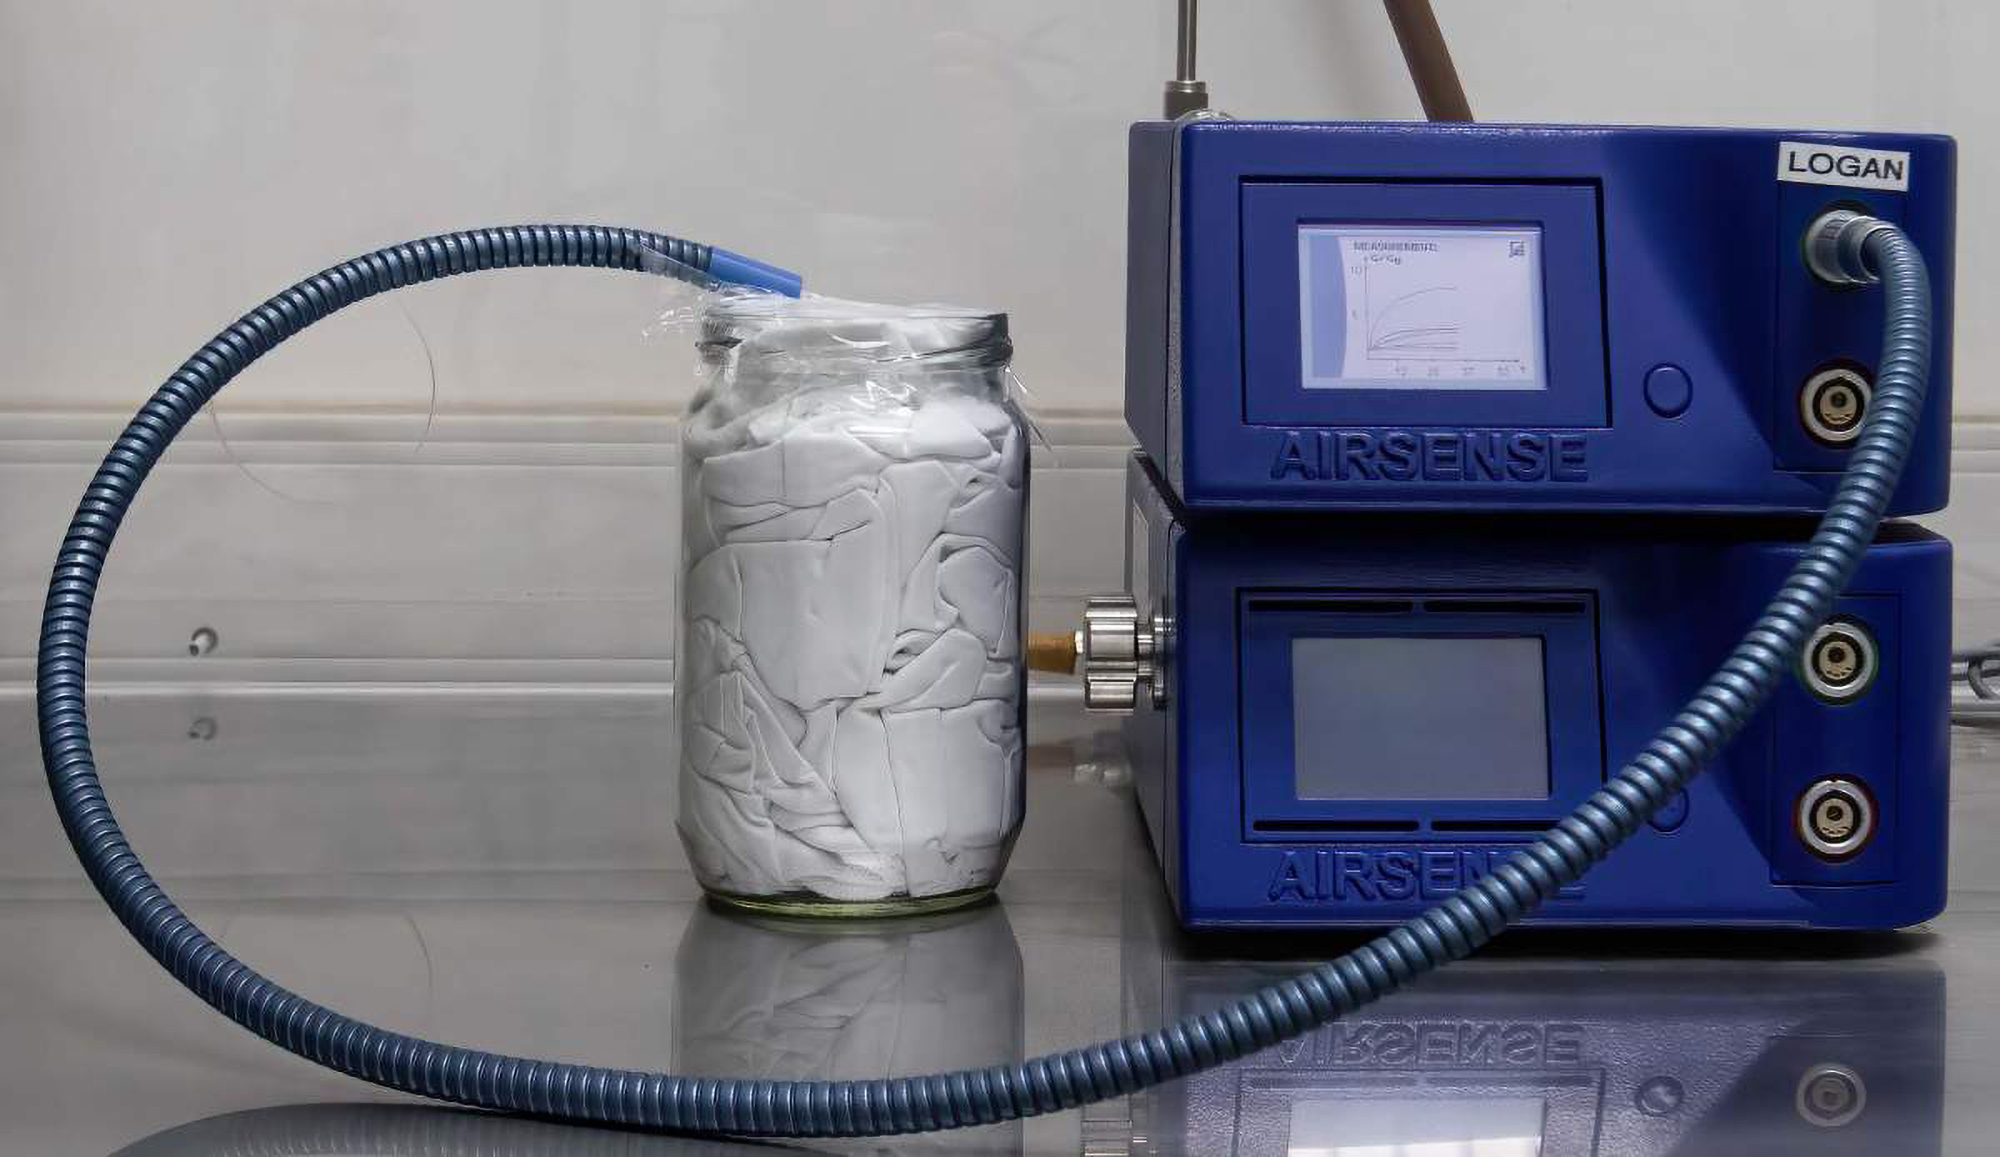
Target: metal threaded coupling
{"points": [[1834, 245]]}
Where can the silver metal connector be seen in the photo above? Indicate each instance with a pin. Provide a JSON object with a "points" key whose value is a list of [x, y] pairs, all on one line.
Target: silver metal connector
{"points": [[1830, 1095], [1835, 818], [1834, 244], [1183, 97], [1122, 654], [1839, 661], [1832, 404]]}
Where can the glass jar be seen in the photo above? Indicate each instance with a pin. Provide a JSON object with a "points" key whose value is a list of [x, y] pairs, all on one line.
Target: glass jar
{"points": [[849, 683]]}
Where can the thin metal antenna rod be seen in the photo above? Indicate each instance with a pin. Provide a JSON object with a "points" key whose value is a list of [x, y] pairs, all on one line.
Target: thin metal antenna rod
{"points": [[1184, 93], [1184, 54]]}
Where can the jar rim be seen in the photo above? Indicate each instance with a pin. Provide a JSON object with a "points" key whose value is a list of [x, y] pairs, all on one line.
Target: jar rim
{"points": [[818, 330]]}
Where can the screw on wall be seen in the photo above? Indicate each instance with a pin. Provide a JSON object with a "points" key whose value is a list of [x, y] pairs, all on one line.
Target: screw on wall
{"points": [[203, 641], [202, 728]]}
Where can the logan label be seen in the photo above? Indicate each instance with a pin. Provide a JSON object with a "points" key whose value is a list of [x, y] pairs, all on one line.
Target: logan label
{"points": [[1840, 165], [1431, 456]]}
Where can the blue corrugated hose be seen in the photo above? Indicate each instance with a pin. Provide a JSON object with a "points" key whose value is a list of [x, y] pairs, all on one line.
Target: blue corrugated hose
{"points": [[947, 1100]]}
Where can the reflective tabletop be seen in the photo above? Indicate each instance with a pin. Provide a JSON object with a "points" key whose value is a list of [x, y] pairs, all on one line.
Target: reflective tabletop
{"points": [[500, 869]]}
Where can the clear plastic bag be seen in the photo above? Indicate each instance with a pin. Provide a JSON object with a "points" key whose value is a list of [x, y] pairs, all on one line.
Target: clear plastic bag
{"points": [[850, 684]]}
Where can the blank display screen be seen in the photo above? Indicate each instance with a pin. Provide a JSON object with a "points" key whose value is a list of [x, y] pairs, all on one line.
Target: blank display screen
{"points": [[1429, 1127], [1420, 717]]}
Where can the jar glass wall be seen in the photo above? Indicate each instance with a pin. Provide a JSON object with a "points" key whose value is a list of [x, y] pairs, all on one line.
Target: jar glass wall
{"points": [[850, 684]]}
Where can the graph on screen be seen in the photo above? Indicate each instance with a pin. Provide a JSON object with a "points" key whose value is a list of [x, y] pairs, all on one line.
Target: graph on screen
{"points": [[1437, 307], [1420, 323]]}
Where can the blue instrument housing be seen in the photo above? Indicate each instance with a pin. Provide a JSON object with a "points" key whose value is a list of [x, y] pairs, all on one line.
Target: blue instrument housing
{"points": [[1678, 318], [1626, 617]]}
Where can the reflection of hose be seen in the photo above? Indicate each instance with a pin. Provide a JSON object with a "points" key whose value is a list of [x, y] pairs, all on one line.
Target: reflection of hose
{"points": [[411, 1131], [947, 1100], [1976, 675], [1977, 667]]}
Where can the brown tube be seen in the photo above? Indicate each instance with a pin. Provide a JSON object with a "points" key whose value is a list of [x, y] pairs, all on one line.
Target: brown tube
{"points": [[1055, 653], [1428, 59]]}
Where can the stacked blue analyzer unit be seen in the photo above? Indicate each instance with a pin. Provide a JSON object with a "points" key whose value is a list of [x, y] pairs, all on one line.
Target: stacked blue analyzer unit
{"points": [[1466, 453]]}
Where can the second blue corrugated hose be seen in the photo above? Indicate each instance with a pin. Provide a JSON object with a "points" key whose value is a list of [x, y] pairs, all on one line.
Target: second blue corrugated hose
{"points": [[1868, 250]]}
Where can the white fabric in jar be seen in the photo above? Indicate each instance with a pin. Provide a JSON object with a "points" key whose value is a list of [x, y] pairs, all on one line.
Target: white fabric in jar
{"points": [[851, 671]]}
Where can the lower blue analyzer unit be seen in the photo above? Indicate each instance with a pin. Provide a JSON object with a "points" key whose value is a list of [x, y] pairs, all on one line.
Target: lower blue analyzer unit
{"points": [[1357, 714]]}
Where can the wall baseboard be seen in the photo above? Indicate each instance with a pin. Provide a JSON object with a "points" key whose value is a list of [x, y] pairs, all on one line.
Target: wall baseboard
{"points": [[384, 548], [516, 548]]}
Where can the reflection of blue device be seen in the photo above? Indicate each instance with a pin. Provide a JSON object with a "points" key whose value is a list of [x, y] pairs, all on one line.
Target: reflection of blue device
{"points": [[1632, 1057], [1356, 717], [1483, 318], [1643, 1049]]}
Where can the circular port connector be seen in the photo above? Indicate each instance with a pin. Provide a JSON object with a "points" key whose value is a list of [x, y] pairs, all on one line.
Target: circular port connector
{"points": [[1832, 402], [1840, 661], [1836, 818], [1660, 1096], [1831, 1095]]}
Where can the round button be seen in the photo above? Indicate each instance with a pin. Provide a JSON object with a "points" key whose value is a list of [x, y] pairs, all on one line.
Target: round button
{"points": [[1668, 390], [1659, 1096], [1672, 814]]}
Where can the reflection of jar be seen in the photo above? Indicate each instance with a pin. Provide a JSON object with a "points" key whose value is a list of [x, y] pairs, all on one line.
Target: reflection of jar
{"points": [[803, 1000], [850, 682], [413, 1131]]}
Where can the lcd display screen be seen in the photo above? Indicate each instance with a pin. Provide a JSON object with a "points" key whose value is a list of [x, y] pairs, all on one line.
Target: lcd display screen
{"points": [[1427, 1127], [1419, 718], [1422, 307]]}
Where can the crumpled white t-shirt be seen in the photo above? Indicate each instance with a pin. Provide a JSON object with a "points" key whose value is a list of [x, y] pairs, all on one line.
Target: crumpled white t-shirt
{"points": [[851, 675]]}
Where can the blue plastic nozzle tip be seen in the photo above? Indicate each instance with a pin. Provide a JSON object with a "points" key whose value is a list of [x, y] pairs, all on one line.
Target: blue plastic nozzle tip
{"points": [[740, 270]]}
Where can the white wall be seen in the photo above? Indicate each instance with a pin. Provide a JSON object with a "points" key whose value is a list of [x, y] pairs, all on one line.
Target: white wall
{"points": [[166, 166]]}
